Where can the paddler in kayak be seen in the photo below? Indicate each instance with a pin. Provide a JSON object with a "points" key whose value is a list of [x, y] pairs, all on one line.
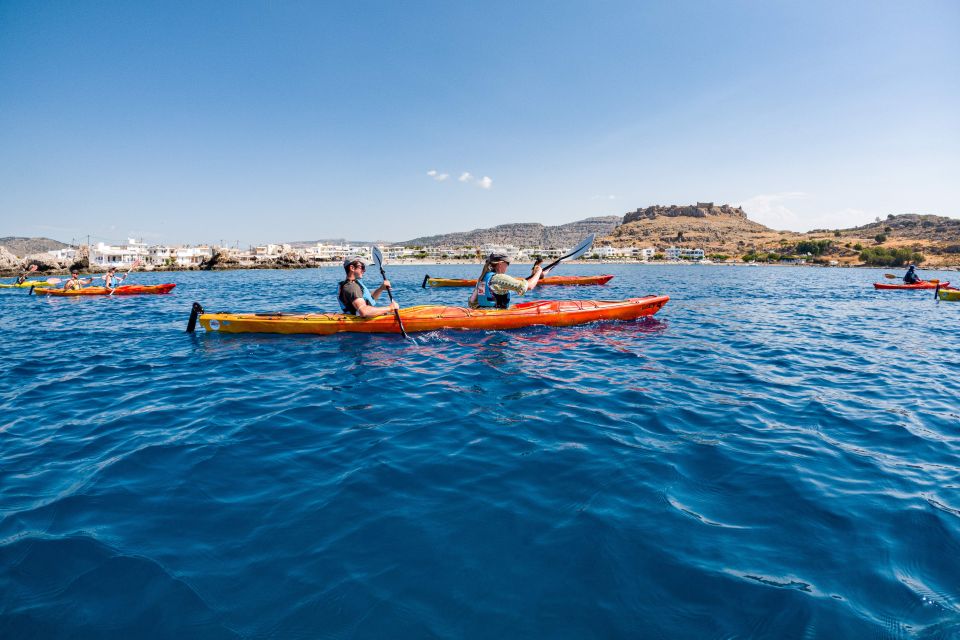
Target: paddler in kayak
{"points": [[494, 286], [911, 277], [75, 282], [111, 280], [354, 296]]}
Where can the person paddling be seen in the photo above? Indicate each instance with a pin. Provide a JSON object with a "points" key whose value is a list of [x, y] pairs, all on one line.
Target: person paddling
{"points": [[354, 296], [911, 277], [75, 282], [494, 286], [111, 280]]}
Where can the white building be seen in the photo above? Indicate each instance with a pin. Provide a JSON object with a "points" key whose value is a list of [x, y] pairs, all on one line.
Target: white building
{"points": [[105, 255], [673, 253]]}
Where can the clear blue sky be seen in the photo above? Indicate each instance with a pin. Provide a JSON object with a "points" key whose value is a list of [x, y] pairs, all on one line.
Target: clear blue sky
{"points": [[276, 121]]}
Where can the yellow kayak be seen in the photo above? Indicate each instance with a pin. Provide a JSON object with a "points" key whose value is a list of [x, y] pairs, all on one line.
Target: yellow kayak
{"points": [[25, 285]]}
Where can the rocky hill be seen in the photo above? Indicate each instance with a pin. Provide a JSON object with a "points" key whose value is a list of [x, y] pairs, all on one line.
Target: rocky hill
{"points": [[523, 234], [25, 246], [727, 231]]}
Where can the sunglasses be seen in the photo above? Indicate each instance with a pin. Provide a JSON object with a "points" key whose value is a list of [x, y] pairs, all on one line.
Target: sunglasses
{"points": [[359, 265]]}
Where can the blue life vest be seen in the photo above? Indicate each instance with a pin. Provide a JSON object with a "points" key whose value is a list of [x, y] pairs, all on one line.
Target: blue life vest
{"points": [[487, 298], [367, 296]]}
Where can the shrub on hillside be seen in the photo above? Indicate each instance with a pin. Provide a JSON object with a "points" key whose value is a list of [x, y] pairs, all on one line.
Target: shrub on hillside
{"points": [[882, 257]]}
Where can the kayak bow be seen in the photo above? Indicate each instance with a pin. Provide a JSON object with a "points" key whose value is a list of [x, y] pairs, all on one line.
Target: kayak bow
{"points": [[553, 313]]}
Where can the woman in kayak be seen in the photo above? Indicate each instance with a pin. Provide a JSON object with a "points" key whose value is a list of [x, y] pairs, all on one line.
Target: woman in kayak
{"points": [[111, 280], [75, 282], [911, 277], [354, 296], [494, 286]]}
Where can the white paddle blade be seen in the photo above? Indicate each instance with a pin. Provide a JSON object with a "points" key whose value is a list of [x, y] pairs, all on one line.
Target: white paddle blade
{"points": [[577, 251], [581, 248]]}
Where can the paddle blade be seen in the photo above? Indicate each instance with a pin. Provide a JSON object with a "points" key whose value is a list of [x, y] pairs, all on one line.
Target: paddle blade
{"points": [[377, 256], [54, 280], [574, 253], [889, 276]]}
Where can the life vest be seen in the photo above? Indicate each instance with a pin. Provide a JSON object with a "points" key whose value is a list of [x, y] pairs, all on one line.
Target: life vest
{"points": [[367, 297], [487, 298]]}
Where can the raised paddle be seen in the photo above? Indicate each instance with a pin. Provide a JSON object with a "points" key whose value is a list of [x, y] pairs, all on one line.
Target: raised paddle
{"points": [[378, 258], [575, 253], [135, 264]]}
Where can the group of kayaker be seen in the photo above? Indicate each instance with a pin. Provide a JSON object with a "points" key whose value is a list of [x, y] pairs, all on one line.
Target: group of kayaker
{"points": [[493, 290]]}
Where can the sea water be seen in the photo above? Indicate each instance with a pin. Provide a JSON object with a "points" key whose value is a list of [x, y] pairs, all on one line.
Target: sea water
{"points": [[776, 454]]}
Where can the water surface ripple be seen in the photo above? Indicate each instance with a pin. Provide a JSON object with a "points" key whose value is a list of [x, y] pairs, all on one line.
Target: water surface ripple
{"points": [[774, 455]]}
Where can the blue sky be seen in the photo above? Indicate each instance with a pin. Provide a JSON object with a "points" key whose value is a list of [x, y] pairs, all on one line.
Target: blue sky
{"points": [[264, 122]]}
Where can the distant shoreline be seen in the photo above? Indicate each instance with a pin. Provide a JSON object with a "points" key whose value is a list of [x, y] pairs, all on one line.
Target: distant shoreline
{"points": [[7, 273]]}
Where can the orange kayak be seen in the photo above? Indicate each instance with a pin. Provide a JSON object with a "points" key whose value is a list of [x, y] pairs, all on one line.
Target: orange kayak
{"points": [[564, 280], [122, 290], [553, 313], [919, 285]]}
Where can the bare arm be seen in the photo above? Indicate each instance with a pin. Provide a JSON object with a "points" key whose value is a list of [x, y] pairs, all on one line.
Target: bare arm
{"points": [[366, 311]]}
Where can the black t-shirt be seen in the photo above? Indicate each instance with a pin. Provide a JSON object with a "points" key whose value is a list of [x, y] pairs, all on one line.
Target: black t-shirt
{"points": [[350, 291]]}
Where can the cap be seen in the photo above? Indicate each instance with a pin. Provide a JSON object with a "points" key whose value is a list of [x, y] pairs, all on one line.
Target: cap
{"points": [[349, 260], [498, 257]]}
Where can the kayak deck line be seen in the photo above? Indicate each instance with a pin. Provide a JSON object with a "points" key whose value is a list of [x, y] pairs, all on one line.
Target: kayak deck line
{"points": [[557, 313]]}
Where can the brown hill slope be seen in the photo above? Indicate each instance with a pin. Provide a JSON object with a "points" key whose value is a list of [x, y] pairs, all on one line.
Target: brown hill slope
{"points": [[21, 247], [727, 230], [523, 234]]}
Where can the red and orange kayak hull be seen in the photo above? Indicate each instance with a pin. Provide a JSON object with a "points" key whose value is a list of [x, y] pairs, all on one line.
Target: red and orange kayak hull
{"points": [[919, 285], [552, 313], [122, 290]]}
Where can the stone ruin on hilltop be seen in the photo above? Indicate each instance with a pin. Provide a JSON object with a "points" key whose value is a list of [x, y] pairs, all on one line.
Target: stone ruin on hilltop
{"points": [[699, 210]]}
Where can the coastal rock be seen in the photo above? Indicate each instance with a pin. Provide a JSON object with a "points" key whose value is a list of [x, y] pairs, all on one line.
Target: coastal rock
{"points": [[46, 262], [8, 261]]}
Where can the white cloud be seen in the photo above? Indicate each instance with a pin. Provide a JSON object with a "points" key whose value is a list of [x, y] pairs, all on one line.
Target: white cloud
{"points": [[771, 210], [466, 177]]}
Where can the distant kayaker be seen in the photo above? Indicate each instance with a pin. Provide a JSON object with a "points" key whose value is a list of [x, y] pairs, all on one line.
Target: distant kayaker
{"points": [[75, 282], [911, 277], [354, 296], [494, 286]]}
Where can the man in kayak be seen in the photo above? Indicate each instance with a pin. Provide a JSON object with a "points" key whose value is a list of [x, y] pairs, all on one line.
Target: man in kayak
{"points": [[75, 282], [23, 276], [911, 277], [354, 296], [494, 286]]}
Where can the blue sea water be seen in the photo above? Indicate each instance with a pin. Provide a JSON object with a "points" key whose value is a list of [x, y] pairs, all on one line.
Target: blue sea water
{"points": [[776, 454]]}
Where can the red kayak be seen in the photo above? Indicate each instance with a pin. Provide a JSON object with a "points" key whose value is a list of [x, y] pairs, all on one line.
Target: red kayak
{"points": [[556, 280], [919, 285], [122, 290]]}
